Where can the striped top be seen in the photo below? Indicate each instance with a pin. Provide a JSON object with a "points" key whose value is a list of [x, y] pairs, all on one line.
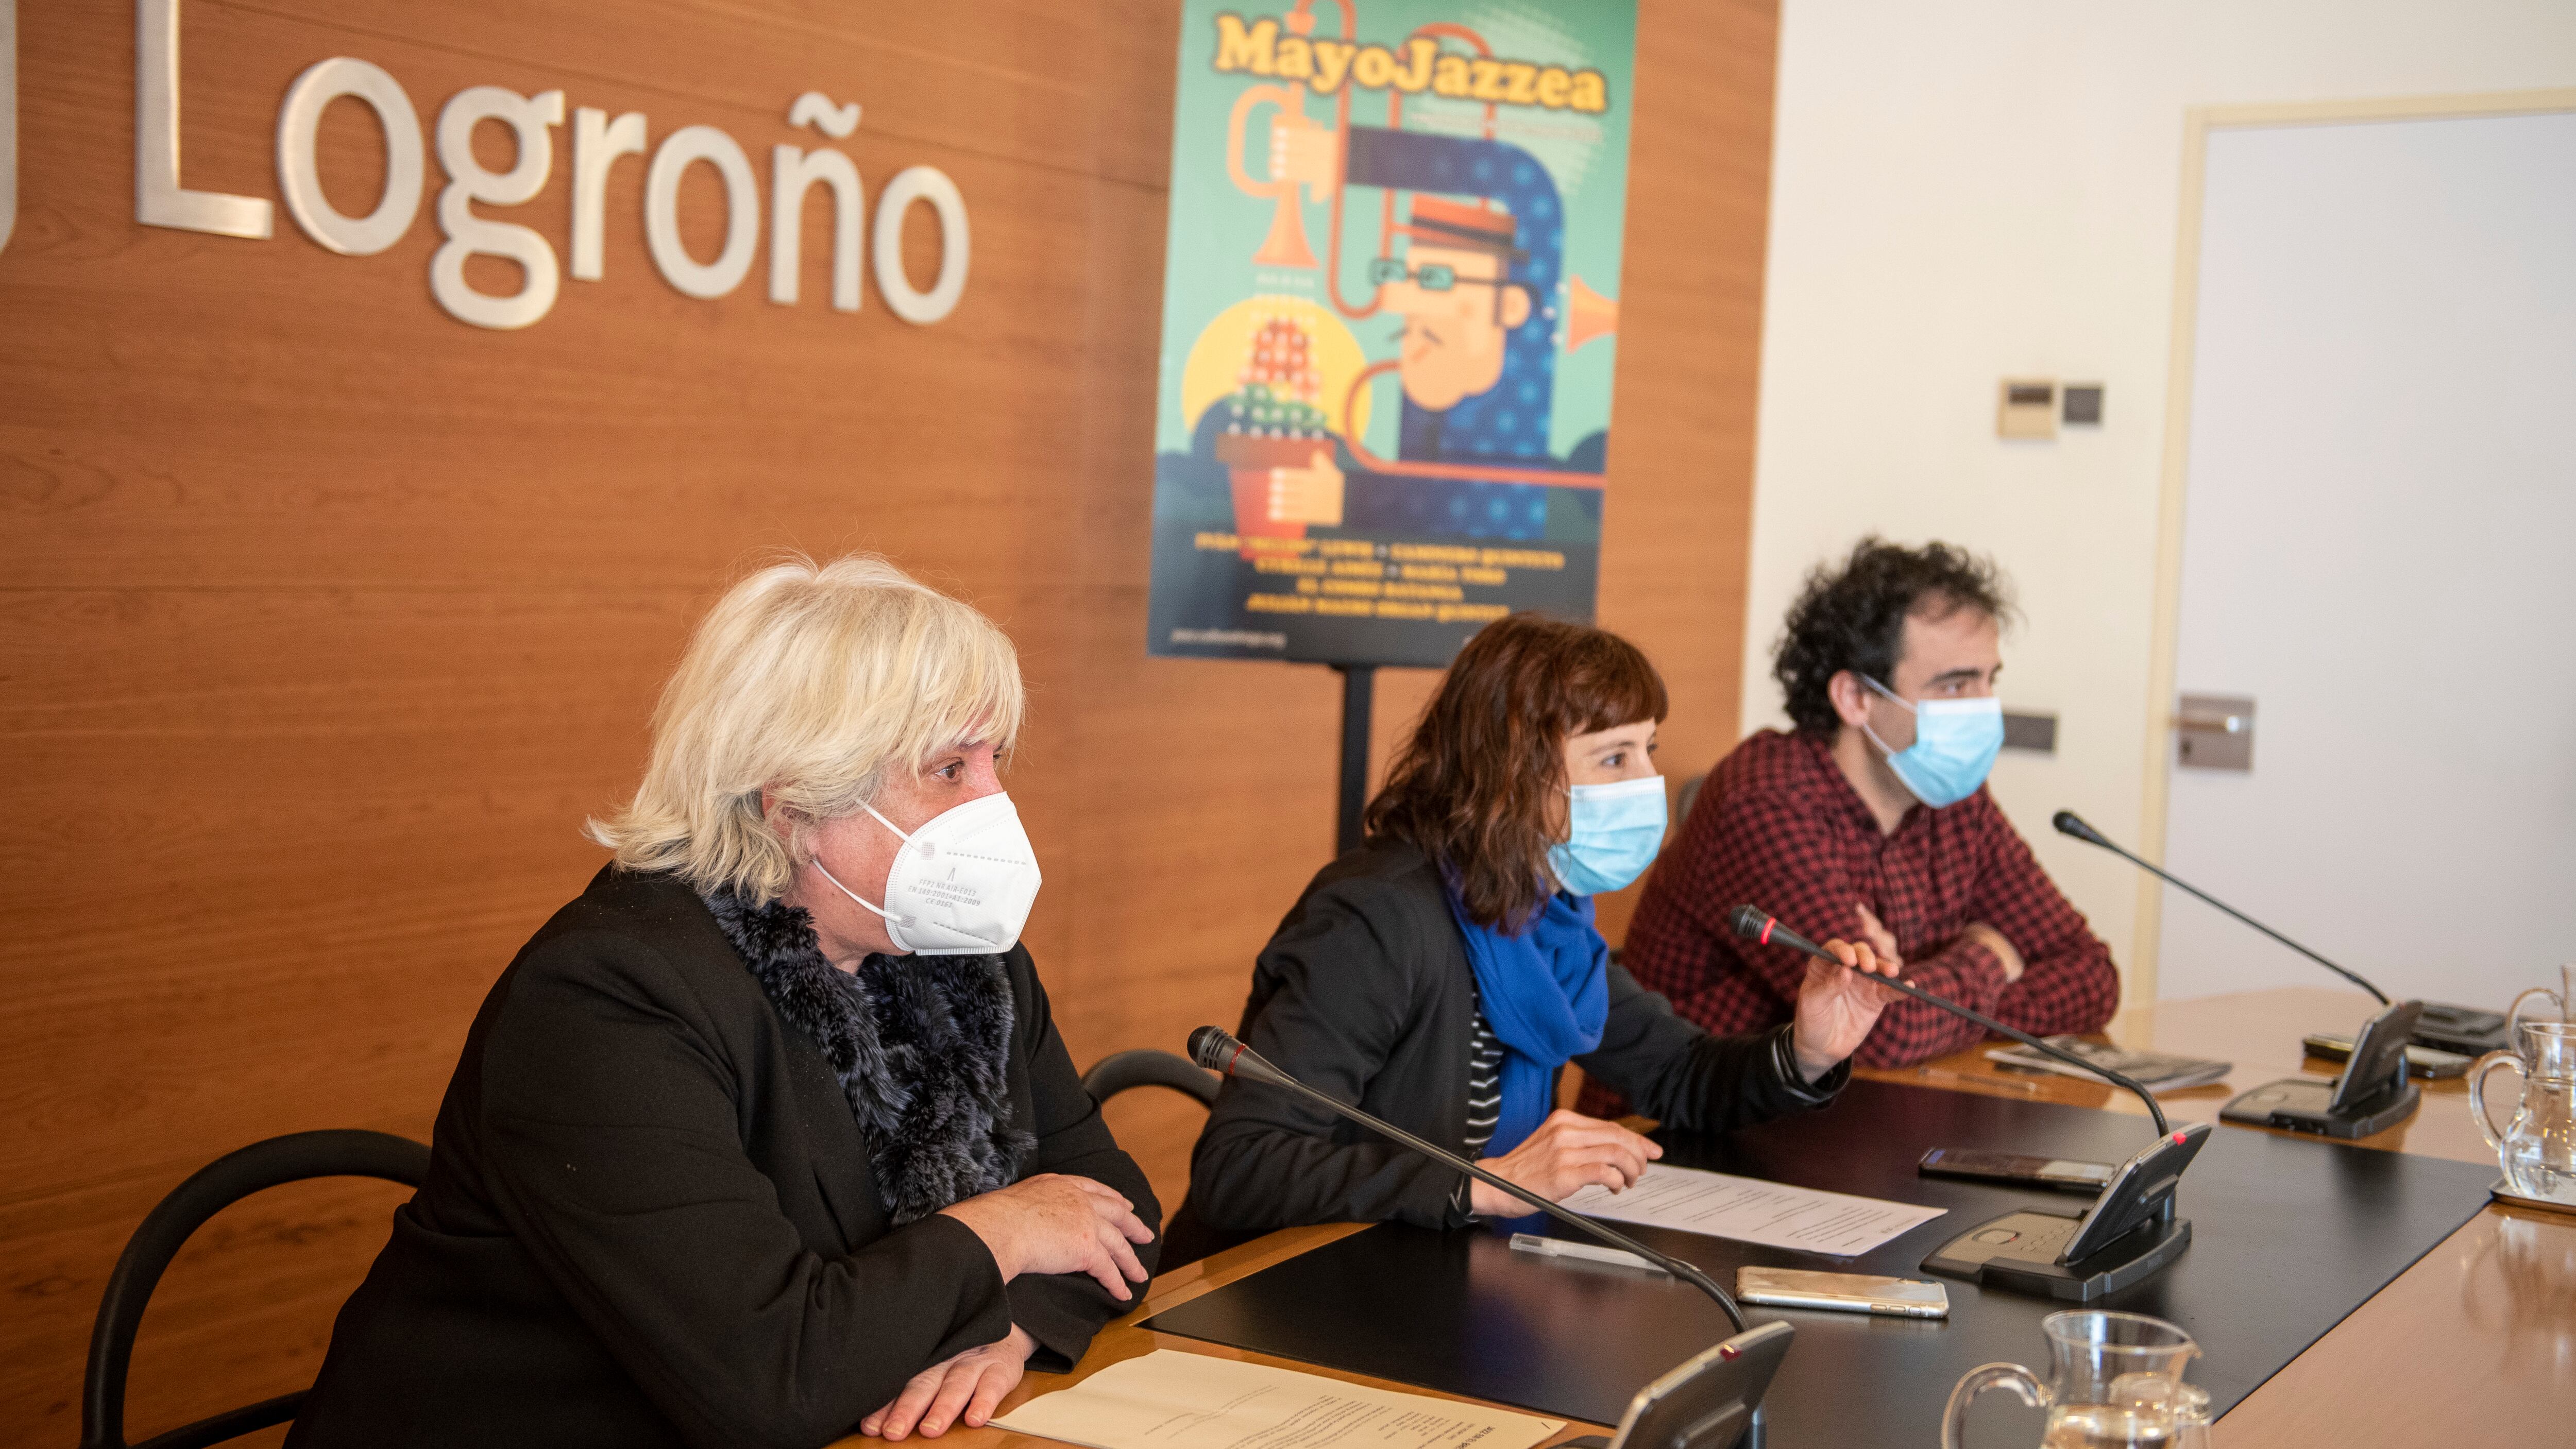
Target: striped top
{"points": [[1485, 1094], [1484, 1084]]}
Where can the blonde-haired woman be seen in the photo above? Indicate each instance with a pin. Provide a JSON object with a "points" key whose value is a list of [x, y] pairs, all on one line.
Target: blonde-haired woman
{"points": [[769, 1135]]}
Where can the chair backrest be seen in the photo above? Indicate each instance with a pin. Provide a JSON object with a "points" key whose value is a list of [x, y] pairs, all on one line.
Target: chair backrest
{"points": [[1147, 1067], [216, 1186], [1689, 797]]}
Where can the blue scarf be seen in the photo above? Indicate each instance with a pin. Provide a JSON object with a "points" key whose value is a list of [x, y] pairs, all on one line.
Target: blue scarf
{"points": [[1546, 994]]}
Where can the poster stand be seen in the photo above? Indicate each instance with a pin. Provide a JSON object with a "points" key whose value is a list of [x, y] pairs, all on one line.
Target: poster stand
{"points": [[1359, 690]]}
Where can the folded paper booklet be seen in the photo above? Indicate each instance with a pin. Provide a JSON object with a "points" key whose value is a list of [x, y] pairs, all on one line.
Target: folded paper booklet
{"points": [[2155, 1071], [1173, 1400]]}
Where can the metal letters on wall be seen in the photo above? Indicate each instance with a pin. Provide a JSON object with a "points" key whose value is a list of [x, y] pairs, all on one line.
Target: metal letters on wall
{"points": [[161, 197]]}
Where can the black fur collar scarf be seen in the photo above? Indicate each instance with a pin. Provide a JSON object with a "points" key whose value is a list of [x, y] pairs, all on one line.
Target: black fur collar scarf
{"points": [[921, 1045]]}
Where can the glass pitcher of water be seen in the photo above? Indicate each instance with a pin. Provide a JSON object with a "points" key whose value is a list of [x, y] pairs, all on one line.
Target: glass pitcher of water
{"points": [[2544, 1004], [2114, 1382], [2538, 1148]]}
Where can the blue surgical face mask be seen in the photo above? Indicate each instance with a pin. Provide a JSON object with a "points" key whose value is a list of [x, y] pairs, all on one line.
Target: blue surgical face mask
{"points": [[1955, 743], [1616, 830]]}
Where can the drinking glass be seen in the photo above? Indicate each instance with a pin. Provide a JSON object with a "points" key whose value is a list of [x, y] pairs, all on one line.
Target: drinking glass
{"points": [[2538, 1148], [2114, 1382]]}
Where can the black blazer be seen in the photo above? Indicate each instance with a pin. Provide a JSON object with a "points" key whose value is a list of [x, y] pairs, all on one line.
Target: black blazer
{"points": [[1365, 994], [650, 1217]]}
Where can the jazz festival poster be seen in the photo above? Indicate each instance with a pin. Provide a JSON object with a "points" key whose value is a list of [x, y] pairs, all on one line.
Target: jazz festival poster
{"points": [[1389, 308]]}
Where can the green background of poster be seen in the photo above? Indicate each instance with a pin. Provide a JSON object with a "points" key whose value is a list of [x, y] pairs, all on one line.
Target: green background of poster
{"points": [[1213, 263]]}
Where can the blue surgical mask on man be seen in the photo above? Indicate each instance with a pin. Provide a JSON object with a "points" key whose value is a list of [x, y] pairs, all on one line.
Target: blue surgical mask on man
{"points": [[1616, 830], [1955, 744]]}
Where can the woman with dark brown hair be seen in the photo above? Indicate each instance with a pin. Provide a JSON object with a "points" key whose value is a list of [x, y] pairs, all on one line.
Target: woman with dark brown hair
{"points": [[1442, 975]]}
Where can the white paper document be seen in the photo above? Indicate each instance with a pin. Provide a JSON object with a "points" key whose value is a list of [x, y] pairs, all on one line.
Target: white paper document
{"points": [[1173, 1400], [1748, 1210]]}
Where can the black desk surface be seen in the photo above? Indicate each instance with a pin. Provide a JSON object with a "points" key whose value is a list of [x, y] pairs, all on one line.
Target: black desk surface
{"points": [[2289, 1235]]}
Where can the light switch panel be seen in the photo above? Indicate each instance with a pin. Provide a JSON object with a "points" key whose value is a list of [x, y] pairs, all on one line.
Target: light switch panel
{"points": [[2027, 409]]}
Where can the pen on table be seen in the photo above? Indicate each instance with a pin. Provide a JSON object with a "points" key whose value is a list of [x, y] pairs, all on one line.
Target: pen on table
{"points": [[1944, 1074], [1547, 1247]]}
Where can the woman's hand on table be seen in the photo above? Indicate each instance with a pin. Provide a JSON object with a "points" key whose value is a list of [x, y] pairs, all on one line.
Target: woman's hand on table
{"points": [[1837, 1005], [962, 1390], [1059, 1223], [1569, 1151]]}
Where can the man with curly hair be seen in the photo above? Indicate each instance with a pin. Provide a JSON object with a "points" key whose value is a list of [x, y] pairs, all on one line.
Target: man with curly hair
{"points": [[1870, 820]]}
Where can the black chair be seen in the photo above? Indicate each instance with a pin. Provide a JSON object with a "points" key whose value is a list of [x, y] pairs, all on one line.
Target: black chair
{"points": [[216, 1186], [1689, 797], [1147, 1067]]}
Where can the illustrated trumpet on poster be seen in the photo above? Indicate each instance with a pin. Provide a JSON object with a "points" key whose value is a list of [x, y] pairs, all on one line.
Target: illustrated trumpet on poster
{"points": [[1589, 316], [1306, 153], [1285, 246]]}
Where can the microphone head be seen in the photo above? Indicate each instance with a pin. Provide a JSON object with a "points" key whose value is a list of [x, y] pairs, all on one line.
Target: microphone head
{"points": [[2070, 823], [1214, 1048], [1748, 922]]}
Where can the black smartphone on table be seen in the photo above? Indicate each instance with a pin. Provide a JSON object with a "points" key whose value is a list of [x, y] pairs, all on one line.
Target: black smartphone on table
{"points": [[2061, 1174]]}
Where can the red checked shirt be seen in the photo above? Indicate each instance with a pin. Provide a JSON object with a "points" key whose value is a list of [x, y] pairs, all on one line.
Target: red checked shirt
{"points": [[1778, 826]]}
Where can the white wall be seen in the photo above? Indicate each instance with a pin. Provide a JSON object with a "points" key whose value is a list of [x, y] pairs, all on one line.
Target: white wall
{"points": [[1988, 188]]}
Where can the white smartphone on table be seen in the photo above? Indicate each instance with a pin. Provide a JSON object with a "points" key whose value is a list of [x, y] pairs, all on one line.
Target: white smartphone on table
{"points": [[1842, 1292]]}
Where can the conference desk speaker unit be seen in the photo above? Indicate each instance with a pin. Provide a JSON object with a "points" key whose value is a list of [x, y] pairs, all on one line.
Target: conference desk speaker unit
{"points": [[2079, 1255], [2373, 1093]]}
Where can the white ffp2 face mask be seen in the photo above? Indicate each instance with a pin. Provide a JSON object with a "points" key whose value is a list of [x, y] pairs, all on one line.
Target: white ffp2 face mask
{"points": [[961, 885]]}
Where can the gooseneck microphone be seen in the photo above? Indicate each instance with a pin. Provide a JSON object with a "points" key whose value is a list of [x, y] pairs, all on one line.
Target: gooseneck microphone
{"points": [[1760, 927], [2070, 823], [1216, 1049]]}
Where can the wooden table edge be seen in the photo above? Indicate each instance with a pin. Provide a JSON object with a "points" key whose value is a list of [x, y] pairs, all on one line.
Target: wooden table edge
{"points": [[1125, 1337]]}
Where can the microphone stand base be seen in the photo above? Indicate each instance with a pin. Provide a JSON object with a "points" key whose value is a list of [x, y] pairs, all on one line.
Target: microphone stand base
{"points": [[2018, 1252], [2298, 1104]]}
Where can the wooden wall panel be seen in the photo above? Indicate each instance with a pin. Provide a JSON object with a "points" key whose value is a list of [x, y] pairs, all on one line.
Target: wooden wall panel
{"points": [[326, 619]]}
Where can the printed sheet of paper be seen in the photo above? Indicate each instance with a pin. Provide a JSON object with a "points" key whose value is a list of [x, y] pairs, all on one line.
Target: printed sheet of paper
{"points": [[1748, 1210], [1173, 1400]]}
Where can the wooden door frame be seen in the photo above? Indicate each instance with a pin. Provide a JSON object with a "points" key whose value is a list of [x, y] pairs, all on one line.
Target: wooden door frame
{"points": [[2198, 122]]}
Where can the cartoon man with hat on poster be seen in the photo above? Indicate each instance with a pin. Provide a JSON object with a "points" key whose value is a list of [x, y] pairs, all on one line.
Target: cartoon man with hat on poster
{"points": [[1477, 287], [1477, 284]]}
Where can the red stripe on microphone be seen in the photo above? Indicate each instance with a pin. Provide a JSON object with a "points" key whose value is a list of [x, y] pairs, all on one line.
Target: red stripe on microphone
{"points": [[1767, 923]]}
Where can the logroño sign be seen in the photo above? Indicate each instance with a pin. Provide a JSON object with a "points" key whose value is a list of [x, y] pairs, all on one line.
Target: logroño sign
{"points": [[599, 142]]}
